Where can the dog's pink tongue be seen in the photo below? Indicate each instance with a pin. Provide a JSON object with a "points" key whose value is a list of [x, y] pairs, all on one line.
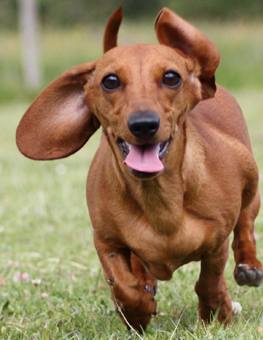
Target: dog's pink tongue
{"points": [[144, 159]]}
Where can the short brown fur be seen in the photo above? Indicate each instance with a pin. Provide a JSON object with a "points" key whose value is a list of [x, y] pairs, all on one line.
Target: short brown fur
{"points": [[146, 225]]}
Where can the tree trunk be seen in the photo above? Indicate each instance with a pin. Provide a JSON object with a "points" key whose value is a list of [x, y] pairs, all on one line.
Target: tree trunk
{"points": [[29, 32]]}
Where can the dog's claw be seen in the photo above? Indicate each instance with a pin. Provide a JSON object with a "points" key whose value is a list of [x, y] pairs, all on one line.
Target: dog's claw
{"points": [[150, 289], [250, 277]]}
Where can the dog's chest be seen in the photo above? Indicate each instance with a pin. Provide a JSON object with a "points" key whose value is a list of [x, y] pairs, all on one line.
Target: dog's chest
{"points": [[163, 253]]}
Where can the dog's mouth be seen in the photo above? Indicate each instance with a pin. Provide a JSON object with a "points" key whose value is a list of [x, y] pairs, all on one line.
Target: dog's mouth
{"points": [[144, 160]]}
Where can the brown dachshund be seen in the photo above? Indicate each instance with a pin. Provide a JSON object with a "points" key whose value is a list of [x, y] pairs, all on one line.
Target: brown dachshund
{"points": [[174, 173]]}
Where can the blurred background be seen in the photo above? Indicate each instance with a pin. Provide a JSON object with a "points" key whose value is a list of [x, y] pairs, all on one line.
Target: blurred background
{"points": [[44, 227], [70, 32]]}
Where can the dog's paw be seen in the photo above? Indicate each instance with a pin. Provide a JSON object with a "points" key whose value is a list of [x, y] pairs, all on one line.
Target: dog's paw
{"points": [[138, 318], [248, 276], [136, 306]]}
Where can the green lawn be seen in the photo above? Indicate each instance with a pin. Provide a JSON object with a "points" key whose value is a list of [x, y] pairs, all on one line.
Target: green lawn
{"points": [[45, 231]]}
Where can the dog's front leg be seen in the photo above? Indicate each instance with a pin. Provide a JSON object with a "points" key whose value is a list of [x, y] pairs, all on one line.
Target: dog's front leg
{"points": [[132, 288], [211, 287]]}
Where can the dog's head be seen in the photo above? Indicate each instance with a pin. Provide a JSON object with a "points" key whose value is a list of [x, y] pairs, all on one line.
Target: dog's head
{"points": [[140, 94]]}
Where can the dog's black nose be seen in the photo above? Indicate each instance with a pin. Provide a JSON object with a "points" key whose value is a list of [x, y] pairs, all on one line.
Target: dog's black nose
{"points": [[144, 124]]}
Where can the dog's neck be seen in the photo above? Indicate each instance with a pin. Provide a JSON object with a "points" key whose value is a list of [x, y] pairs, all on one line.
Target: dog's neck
{"points": [[159, 200], [162, 202]]}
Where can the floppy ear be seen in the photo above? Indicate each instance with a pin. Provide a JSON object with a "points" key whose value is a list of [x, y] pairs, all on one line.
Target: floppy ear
{"points": [[59, 123], [173, 31], [112, 29]]}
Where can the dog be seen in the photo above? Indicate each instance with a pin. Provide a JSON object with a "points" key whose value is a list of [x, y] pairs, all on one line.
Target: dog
{"points": [[174, 173]]}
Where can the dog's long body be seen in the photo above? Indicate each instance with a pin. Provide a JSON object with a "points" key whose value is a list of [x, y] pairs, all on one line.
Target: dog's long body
{"points": [[174, 173]]}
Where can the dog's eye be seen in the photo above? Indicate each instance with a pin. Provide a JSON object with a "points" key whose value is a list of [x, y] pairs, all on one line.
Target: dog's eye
{"points": [[172, 79], [110, 82]]}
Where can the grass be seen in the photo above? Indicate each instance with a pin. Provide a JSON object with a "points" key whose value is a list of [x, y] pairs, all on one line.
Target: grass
{"points": [[45, 232], [46, 236]]}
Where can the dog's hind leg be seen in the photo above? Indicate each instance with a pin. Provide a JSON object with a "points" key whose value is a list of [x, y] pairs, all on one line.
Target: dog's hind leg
{"points": [[211, 287], [248, 270]]}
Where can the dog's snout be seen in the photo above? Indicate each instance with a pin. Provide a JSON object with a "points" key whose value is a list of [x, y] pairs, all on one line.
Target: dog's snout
{"points": [[144, 124]]}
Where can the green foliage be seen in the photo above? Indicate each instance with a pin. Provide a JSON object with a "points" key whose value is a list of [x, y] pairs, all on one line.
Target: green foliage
{"points": [[217, 9], [68, 12], [8, 14], [72, 12]]}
